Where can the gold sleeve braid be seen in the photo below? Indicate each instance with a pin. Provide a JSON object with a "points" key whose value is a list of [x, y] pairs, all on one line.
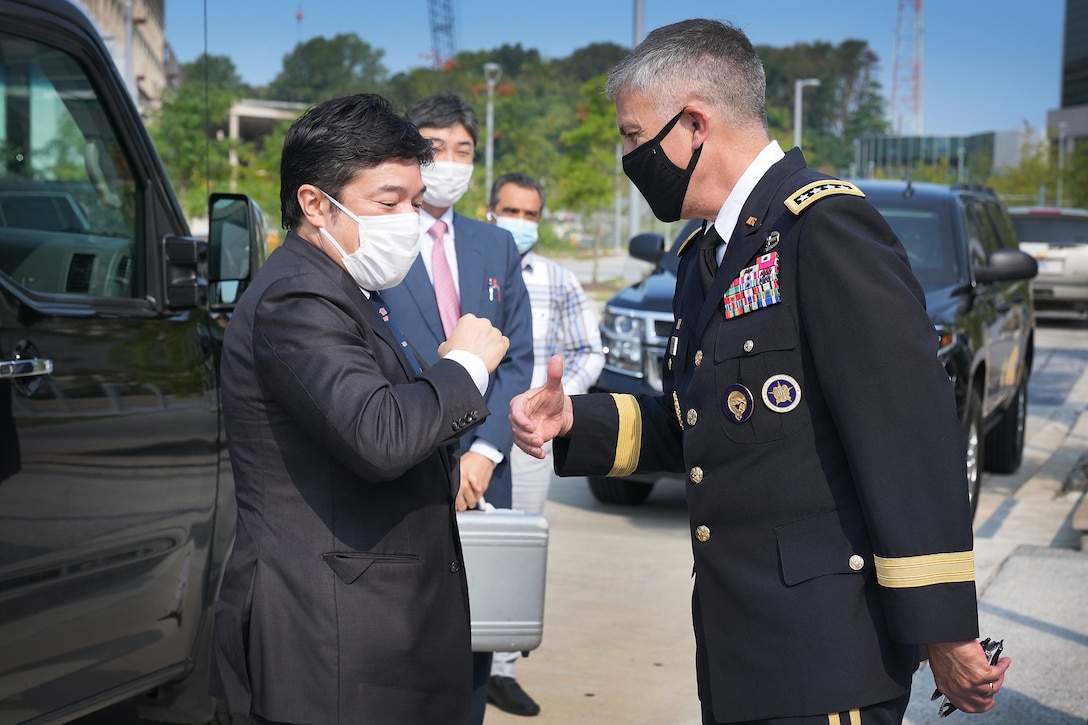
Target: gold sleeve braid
{"points": [[921, 571], [628, 436]]}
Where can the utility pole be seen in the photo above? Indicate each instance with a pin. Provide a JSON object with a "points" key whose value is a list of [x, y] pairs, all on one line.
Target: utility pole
{"points": [[798, 87], [1061, 158], [634, 207], [492, 73]]}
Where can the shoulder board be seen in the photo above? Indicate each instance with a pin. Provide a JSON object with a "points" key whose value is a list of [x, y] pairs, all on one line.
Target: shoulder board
{"points": [[809, 194], [684, 244]]}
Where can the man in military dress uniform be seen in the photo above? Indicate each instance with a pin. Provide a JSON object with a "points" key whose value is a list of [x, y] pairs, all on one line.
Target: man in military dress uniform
{"points": [[805, 404]]}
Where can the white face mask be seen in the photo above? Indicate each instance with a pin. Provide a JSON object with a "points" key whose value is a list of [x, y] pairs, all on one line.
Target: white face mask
{"points": [[523, 230], [446, 181], [388, 245]]}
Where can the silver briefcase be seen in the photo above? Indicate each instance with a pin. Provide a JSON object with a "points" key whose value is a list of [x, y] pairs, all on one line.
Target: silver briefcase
{"points": [[506, 556]]}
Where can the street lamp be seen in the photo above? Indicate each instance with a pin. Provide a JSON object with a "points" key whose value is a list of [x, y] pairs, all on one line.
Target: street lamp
{"points": [[492, 73], [1061, 159], [798, 86]]}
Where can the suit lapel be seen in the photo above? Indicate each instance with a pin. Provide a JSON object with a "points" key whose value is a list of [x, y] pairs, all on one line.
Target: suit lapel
{"points": [[365, 307], [421, 289], [382, 329], [470, 269]]}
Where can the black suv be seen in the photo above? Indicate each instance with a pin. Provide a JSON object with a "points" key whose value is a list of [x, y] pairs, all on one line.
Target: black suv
{"points": [[963, 249], [117, 502]]}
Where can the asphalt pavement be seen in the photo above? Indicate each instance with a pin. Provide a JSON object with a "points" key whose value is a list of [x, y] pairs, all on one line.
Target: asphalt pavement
{"points": [[632, 662]]}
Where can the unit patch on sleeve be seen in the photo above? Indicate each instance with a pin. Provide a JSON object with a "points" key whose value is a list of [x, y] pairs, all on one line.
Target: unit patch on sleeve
{"points": [[754, 288]]}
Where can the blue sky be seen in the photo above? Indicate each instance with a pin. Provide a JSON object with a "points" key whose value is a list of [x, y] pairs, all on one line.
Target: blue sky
{"points": [[987, 64]]}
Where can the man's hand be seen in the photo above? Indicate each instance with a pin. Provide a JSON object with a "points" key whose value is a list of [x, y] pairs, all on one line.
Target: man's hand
{"points": [[541, 414], [478, 336], [964, 675], [476, 473]]}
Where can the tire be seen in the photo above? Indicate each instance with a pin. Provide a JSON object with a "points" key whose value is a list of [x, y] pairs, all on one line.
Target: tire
{"points": [[1005, 443], [974, 444], [622, 491]]}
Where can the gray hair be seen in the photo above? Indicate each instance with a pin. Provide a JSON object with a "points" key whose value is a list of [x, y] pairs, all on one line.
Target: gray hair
{"points": [[703, 59]]}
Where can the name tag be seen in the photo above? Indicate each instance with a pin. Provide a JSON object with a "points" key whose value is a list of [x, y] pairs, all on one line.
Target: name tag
{"points": [[754, 288]]}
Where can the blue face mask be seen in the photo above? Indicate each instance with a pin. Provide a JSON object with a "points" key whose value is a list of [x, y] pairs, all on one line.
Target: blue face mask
{"points": [[523, 230]]}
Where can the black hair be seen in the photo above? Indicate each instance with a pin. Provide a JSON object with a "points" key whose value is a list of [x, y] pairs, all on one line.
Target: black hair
{"points": [[335, 140], [443, 112], [522, 180]]}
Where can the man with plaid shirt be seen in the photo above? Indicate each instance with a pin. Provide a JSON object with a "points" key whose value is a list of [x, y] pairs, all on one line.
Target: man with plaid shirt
{"points": [[564, 323]]}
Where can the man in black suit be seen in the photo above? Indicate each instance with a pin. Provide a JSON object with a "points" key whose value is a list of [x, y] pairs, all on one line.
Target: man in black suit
{"points": [[804, 403], [467, 266], [344, 599]]}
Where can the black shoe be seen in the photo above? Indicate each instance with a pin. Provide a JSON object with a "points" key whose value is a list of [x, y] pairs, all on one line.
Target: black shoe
{"points": [[506, 694]]}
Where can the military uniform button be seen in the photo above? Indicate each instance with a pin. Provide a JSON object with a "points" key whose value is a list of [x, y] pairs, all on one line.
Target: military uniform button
{"points": [[455, 566], [669, 364], [698, 358], [749, 346], [693, 417], [857, 563], [696, 475], [702, 533]]}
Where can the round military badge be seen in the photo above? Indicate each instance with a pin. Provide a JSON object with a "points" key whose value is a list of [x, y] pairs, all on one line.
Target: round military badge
{"points": [[737, 403], [781, 393]]}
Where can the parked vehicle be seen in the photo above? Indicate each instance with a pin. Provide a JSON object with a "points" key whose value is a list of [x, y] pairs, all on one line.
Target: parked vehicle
{"points": [[1058, 239], [116, 495], [962, 247]]}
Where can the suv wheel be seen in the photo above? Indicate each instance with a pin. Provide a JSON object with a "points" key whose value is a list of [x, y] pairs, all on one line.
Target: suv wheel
{"points": [[619, 490], [1005, 443], [973, 445]]}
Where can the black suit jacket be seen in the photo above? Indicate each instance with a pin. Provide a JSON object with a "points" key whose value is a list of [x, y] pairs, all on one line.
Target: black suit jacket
{"points": [[491, 287], [831, 531], [344, 599]]}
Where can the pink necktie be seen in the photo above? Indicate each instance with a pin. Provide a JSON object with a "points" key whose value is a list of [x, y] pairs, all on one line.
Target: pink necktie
{"points": [[445, 293]]}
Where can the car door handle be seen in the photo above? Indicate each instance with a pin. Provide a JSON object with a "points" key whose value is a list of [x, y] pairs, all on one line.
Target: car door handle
{"points": [[28, 368]]}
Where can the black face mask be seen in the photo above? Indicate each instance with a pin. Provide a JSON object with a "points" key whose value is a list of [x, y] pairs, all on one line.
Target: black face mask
{"points": [[662, 183]]}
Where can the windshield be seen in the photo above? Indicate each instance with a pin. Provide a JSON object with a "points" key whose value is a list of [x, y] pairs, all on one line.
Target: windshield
{"points": [[927, 236], [1052, 230]]}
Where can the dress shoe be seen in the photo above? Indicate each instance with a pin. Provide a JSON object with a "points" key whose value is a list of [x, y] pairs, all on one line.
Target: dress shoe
{"points": [[506, 694]]}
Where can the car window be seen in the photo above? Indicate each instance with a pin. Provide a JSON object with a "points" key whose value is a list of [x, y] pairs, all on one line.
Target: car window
{"points": [[1005, 230], [926, 234], [983, 224], [1056, 230], [979, 234], [68, 203]]}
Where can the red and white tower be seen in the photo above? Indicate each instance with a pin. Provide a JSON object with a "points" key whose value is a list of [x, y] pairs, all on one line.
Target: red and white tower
{"points": [[905, 100]]}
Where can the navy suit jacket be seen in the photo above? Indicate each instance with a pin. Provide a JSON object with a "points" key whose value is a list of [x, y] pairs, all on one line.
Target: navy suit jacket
{"points": [[491, 286]]}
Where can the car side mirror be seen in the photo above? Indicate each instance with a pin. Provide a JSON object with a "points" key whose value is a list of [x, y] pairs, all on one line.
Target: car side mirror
{"points": [[1005, 265], [648, 246], [236, 247]]}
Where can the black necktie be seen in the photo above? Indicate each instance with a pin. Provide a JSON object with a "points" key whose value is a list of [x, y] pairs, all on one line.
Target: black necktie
{"points": [[708, 252], [383, 310]]}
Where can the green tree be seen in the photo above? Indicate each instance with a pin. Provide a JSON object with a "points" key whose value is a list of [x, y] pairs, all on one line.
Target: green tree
{"points": [[591, 61], [185, 131], [847, 104], [219, 72], [322, 68]]}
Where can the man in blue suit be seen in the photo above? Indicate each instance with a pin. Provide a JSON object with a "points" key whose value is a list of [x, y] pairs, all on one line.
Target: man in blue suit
{"points": [[467, 266], [485, 267]]}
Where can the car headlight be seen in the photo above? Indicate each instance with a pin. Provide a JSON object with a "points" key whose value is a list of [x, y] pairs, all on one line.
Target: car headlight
{"points": [[946, 340], [622, 335]]}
